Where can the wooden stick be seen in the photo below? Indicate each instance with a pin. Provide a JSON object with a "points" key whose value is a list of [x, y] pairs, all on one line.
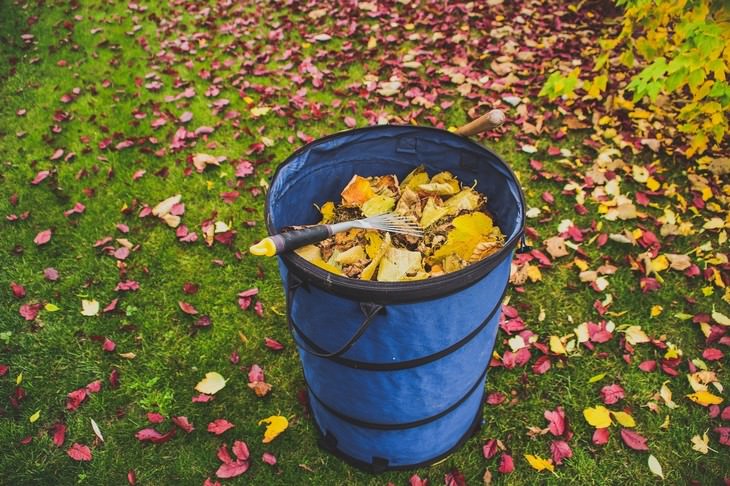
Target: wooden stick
{"points": [[493, 119]]}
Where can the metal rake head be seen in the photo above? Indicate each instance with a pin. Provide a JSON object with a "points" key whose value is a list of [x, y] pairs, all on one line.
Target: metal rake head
{"points": [[394, 223]]}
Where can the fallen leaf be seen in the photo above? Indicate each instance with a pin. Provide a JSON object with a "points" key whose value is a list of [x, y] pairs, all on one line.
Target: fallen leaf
{"points": [[276, 424], [96, 429], [539, 464], [218, 426], [211, 384], [655, 467], [701, 444], [79, 452], [43, 237], [705, 398], [624, 419], [560, 450], [634, 440], [506, 464], [89, 308], [232, 469], [599, 416]]}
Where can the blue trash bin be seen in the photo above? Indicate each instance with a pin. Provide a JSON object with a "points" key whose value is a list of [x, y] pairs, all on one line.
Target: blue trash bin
{"points": [[395, 371]]}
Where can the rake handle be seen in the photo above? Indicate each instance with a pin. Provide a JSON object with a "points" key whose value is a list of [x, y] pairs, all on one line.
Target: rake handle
{"points": [[491, 120], [291, 240]]}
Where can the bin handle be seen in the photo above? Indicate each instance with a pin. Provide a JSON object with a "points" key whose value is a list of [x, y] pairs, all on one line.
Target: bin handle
{"points": [[370, 310]]}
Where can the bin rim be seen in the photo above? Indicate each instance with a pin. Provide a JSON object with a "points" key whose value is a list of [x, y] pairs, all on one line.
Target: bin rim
{"points": [[394, 292]]}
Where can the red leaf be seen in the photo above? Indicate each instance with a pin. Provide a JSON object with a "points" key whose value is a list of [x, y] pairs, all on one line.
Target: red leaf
{"points": [[29, 311], [647, 366], [26, 440], [202, 398], [111, 307], [611, 394], [109, 346], [246, 297], [18, 290], [259, 309], [232, 469], [712, 354], [79, 452], [132, 477], [43, 237], [183, 423], [560, 450], [114, 378], [256, 374], [75, 398], [490, 449], [190, 288], [556, 421], [725, 415], [151, 435], [723, 435], [218, 426], [454, 478], [634, 440], [269, 458], [94, 386], [495, 398], [208, 482], [155, 418], [187, 308], [121, 253], [4, 369], [273, 344], [57, 154], [350, 122], [59, 434], [416, 480], [506, 464], [240, 449], [40, 177], [244, 169], [223, 454], [50, 274], [541, 365], [600, 436]]}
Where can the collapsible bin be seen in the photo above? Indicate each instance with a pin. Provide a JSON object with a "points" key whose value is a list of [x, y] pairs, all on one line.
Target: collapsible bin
{"points": [[395, 371]]}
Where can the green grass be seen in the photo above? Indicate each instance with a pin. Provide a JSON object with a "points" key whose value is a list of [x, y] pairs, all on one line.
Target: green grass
{"points": [[59, 352]]}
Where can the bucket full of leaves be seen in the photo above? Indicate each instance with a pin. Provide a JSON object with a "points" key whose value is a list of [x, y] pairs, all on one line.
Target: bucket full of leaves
{"points": [[395, 362]]}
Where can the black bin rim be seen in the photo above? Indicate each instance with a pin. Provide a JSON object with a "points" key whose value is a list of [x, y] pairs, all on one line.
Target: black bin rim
{"points": [[395, 292]]}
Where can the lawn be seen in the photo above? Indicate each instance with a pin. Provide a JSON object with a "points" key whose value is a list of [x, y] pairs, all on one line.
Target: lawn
{"points": [[110, 317]]}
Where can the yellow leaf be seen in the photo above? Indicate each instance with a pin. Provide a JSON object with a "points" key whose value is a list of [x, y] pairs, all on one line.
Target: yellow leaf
{"points": [[705, 398], [328, 212], [652, 184], [539, 463], [665, 424], [51, 307], [659, 264], [666, 395], [313, 255], [442, 184], [720, 318], [35, 416], [469, 230], [533, 273], [635, 335], [378, 205], [596, 378], [372, 42], [432, 213], [276, 424], [556, 345], [656, 310], [700, 444], [211, 384], [89, 307], [599, 417], [368, 272], [19, 379], [624, 419]]}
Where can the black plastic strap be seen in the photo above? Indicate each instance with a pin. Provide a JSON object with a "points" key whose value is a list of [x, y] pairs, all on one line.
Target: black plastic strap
{"points": [[401, 365], [404, 425], [370, 310], [328, 443]]}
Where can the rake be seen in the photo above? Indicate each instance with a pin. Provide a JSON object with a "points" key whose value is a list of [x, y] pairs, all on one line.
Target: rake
{"points": [[291, 240]]}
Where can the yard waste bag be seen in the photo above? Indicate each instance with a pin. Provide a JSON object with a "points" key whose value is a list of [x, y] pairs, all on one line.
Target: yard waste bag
{"points": [[395, 371]]}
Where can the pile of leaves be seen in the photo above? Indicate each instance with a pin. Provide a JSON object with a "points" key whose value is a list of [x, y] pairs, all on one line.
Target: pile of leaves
{"points": [[457, 228]]}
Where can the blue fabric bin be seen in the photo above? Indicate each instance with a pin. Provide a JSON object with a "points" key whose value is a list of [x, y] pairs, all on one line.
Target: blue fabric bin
{"points": [[395, 370]]}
